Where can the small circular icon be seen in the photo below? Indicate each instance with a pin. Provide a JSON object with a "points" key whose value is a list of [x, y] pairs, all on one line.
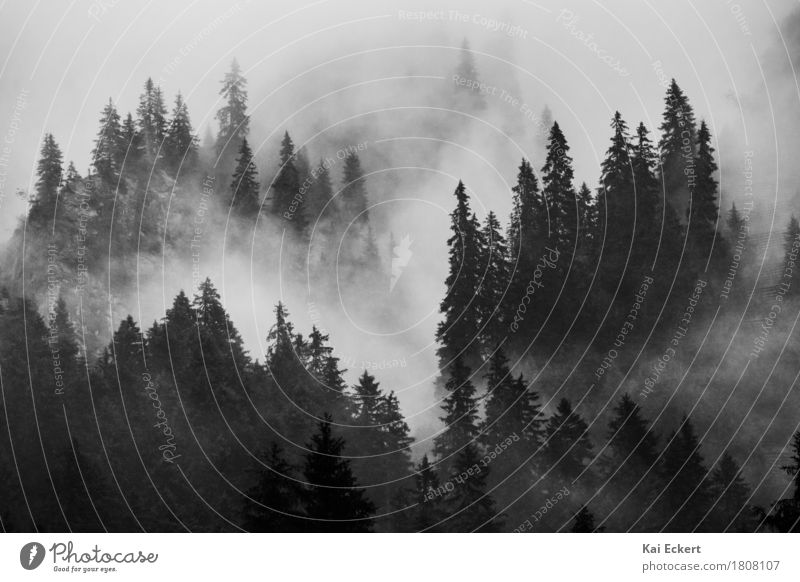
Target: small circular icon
{"points": [[31, 555]]}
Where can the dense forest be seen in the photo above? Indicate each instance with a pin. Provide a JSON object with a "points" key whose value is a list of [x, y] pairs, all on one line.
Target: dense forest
{"points": [[558, 329]]}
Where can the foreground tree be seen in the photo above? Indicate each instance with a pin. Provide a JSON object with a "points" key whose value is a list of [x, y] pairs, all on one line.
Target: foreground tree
{"points": [[333, 498]]}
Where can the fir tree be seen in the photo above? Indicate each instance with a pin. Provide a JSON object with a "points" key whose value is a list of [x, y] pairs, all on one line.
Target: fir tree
{"points": [[333, 497], [152, 120], [131, 147], [461, 414], [510, 408], [527, 237], [456, 334], [685, 494], [730, 494], [278, 497], [287, 201], [703, 211], [354, 192], [617, 210], [234, 123], [559, 192], [180, 145], [567, 444], [676, 146], [48, 172], [244, 185], [428, 512], [106, 154], [489, 301], [471, 508]]}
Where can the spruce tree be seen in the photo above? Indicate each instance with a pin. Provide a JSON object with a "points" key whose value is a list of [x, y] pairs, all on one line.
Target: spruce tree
{"points": [[461, 414], [527, 237], [617, 209], [107, 145], [471, 508], [130, 150], [333, 499], [48, 172], [703, 211], [495, 279], [180, 145], [676, 147], [685, 494], [429, 509], [152, 120], [354, 192], [456, 333], [567, 445], [277, 495], [730, 494], [287, 202], [234, 123], [559, 193], [511, 409], [244, 184]]}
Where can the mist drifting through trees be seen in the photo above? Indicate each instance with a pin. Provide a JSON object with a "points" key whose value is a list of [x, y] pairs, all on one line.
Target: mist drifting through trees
{"points": [[601, 345]]}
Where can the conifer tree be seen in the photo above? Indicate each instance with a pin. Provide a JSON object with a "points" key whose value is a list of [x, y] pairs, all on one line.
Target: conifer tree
{"points": [[617, 210], [527, 237], [510, 408], [48, 172], [456, 333], [152, 120], [222, 348], [730, 494], [676, 147], [703, 211], [685, 494], [180, 145], [130, 150], [584, 522], [287, 202], [495, 278], [354, 192], [333, 497], [630, 463], [461, 414], [234, 123], [559, 192], [244, 184], [106, 154], [587, 212], [278, 496], [567, 444], [429, 511], [471, 508]]}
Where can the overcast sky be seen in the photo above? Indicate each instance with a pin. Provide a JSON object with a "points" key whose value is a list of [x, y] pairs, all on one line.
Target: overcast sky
{"points": [[60, 62]]}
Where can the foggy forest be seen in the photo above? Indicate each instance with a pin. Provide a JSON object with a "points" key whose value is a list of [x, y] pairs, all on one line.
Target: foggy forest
{"points": [[218, 330]]}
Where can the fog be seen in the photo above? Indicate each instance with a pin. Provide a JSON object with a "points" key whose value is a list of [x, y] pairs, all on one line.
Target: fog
{"points": [[379, 76]]}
